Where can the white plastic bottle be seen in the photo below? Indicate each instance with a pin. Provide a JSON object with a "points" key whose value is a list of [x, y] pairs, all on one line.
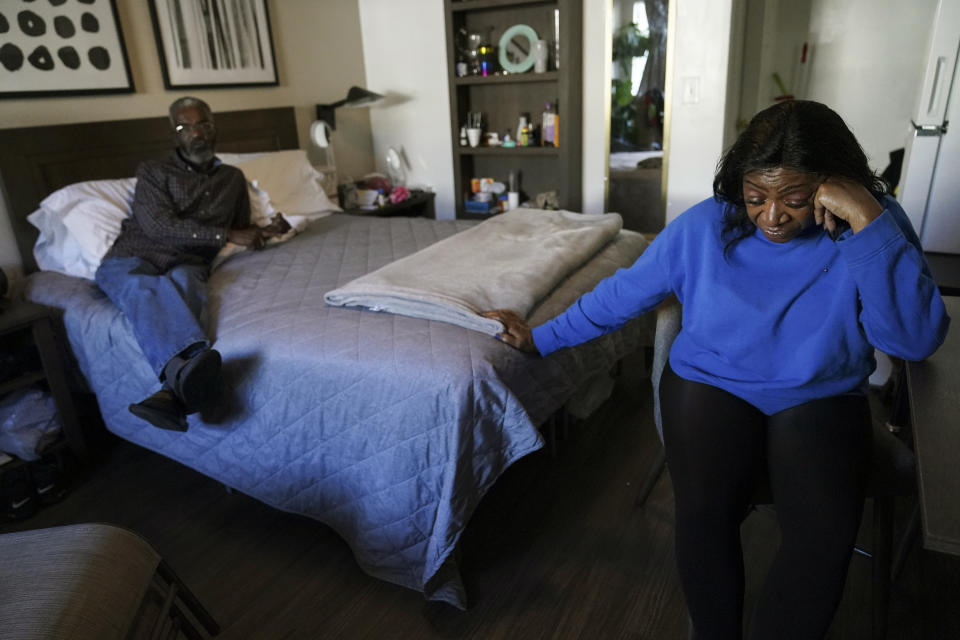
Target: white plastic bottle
{"points": [[521, 126]]}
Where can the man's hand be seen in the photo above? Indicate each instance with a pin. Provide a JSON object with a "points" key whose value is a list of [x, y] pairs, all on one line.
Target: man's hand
{"points": [[250, 236], [516, 332], [277, 227]]}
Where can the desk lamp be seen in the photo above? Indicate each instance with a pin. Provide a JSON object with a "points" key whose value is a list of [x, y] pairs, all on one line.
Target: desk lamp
{"points": [[356, 97], [326, 123]]}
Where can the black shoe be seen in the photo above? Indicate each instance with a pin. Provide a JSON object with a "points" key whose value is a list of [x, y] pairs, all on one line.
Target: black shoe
{"points": [[48, 481], [19, 500], [196, 381], [163, 410]]}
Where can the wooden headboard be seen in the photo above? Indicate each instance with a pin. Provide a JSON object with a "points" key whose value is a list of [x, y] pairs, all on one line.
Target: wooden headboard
{"points": [[36, 161]]}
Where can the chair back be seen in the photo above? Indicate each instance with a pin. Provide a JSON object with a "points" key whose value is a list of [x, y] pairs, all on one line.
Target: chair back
{"points": [[669, 315]]}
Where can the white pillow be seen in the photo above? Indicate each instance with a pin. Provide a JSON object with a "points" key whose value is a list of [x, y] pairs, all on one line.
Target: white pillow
{"points": [[79, 223], [94, 221], [288, 177], [53, 248], [260, 208]]}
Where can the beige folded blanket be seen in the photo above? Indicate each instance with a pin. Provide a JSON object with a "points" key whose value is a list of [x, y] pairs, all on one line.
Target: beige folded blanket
{"points": [[511, 261]]}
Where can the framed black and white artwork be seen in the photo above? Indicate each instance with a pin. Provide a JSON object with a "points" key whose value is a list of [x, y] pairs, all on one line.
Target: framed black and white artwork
{"points": [[58, 48], [214, 43]]}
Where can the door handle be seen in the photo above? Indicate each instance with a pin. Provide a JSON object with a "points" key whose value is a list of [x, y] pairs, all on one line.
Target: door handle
{"points": [[928, 129]]}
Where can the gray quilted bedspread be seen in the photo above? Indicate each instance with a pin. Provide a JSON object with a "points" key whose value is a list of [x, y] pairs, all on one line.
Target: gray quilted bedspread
{"points": [[388, 429]]}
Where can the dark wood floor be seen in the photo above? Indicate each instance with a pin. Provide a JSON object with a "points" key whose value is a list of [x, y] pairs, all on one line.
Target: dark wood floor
{"points": [[556, 550]]}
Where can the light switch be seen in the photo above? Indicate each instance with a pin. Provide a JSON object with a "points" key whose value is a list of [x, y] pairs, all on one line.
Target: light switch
{"points": [[690, 86]]}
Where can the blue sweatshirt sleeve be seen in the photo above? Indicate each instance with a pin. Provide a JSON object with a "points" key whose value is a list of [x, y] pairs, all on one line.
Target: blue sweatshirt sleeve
{"points": [[902, 312], [615, 300]]}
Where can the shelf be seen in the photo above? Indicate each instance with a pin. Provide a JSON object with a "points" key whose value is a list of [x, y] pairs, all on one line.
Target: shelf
{"points": [[502, 98], [547, 76], [55, 447], [21, 381], [38, 322], [479, 5], [509, 151]]}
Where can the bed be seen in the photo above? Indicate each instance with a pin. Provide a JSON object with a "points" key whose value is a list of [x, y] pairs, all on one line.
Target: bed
{"points": [[635, 185], [387, 428]]}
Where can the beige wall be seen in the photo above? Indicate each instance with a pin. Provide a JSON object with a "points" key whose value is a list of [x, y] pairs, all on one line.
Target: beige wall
{"points": [[698, 53], [868, 59], [873, 87], [412, 73], [319, 55]]}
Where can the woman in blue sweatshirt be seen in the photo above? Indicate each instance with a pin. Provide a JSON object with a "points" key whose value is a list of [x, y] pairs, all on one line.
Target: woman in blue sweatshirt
{"points": [[797, 268]]}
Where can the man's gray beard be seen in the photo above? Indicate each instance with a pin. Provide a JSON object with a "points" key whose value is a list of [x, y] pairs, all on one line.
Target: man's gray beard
{"points": [[199, 156]]}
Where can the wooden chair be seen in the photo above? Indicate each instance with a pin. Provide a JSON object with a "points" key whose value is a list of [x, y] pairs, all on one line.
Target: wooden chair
{"points": [[93, 581], [893, 475]]}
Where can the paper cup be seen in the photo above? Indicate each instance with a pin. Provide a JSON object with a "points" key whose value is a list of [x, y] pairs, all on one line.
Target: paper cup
{"points": [[473, 137]]}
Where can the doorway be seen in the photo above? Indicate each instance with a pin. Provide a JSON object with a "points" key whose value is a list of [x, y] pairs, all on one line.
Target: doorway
{"points": [[638, 83]]}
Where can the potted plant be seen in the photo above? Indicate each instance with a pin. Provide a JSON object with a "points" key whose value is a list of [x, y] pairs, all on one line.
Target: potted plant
{"points": [[629, 42]]}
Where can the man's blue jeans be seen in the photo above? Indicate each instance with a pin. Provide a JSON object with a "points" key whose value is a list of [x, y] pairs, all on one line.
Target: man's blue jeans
{"points": [[164, 309]]}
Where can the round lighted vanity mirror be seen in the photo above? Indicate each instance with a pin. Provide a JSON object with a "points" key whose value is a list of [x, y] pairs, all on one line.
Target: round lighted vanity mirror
{"points": [[516, 48]]}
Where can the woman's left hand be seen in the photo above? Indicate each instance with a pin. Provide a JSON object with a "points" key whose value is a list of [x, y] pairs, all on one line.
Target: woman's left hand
{"points": [[847, 200], [516, 332]]}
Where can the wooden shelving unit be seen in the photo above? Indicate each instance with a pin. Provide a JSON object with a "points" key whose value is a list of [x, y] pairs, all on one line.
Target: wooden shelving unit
{"points": [[549, 76], [514, 151], [503, 98], [481, 5]]}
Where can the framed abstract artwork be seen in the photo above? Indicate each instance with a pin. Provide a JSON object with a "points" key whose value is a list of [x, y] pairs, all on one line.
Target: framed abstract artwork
{"points": [[59, 48], [214, 43]]}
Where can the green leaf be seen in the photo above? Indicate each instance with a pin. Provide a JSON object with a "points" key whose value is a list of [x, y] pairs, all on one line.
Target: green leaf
{"points": [[622, 92]]}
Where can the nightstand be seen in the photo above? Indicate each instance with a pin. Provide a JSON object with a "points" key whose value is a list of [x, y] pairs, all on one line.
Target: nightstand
{"points": [[419, 204], [27, 334]]}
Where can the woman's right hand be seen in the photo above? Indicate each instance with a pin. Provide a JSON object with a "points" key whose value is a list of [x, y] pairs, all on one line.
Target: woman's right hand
{"points": [[847, 200], [516, 332]]}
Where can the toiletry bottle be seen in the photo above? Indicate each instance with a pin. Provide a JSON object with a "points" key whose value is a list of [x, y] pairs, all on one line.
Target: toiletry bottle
{"points": [[556, 128], [520, 127], [513, 196], [463, 136], [547, 126]]}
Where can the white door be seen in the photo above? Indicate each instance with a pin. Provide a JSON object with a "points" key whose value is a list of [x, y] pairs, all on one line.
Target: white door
{"points": [[941, 228], [929, 183]]}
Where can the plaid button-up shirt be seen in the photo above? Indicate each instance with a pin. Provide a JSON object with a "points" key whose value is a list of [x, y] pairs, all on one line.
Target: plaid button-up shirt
{"points": [[181, 215]]}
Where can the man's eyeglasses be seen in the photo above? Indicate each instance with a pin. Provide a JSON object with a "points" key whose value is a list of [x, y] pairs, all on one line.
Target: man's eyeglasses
{"points": [[201, 127]]}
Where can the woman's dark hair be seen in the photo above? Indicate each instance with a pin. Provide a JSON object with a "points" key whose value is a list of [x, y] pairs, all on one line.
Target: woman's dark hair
{"points": [[797, 134]]}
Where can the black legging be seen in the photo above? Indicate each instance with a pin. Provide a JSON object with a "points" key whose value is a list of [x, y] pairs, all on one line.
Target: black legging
{"points": [[816, 454]]}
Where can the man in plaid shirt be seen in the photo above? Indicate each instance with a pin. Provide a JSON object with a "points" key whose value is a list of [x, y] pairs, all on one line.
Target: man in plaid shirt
{"points": [[185, 208]]}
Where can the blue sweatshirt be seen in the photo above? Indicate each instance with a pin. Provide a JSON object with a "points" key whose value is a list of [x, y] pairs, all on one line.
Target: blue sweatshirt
{"points": [[776, 324]]}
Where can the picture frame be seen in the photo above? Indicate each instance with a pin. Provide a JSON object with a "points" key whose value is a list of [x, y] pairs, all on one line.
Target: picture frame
{"points": [[56, 49], [214, 43]]}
